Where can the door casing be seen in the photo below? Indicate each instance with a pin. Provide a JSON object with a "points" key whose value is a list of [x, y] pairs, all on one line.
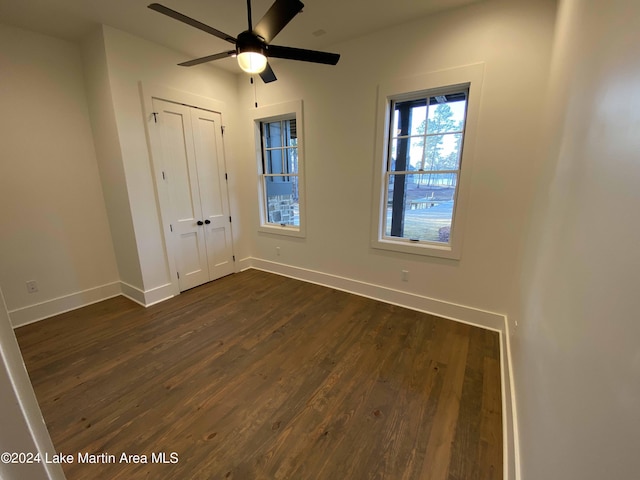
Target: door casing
{"points": [[148, 92]]}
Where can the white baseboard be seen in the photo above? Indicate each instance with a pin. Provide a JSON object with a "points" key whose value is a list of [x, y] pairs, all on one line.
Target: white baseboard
{"points": [[40, 311], [158, 294], [452, 311], [132, 293], [509, 390], [244, 264], [459, 313], [49, 308], [146, 298]]}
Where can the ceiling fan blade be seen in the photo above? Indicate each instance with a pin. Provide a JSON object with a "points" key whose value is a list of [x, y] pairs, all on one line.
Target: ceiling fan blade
{"points": [[301, 54], [190, 21], [267, 75], [277, 17], [208, 58]]}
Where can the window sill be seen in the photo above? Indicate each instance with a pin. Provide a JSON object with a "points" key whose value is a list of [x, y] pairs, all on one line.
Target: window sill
{"points": [[282, 230], [439, 250]]}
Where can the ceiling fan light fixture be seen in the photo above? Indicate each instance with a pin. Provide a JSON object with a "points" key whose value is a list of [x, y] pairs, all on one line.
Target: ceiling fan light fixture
{"points": [[251, 52], [252, 62], [253, 46]]}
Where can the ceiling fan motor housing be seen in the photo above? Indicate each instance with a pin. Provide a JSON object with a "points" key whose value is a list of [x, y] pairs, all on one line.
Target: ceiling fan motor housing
{"points": [[250, 42]]}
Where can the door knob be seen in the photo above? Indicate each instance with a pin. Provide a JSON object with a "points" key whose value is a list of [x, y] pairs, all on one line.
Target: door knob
{"points": [[207, 221], [200, 222]]}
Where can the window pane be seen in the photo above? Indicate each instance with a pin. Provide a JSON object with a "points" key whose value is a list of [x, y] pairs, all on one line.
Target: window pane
{"points": [[446, 115], [420, 206], [443, 152], [409, 118], [272, 134], [410, 151], [292, 160], [273, 161], [283, 206], [418, 119], [290, 133]]}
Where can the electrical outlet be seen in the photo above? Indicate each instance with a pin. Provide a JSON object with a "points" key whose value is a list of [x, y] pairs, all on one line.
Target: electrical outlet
{"points": [[32, 286], [405, 275], [277, 251]]}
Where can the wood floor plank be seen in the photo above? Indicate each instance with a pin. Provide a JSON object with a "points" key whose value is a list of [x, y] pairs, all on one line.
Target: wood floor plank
{"points": [[258, 376], [463, 465], [439, 448]]}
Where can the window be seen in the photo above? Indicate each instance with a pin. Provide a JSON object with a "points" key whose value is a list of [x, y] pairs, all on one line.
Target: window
{"points": [[278, 133], [423, 166], [280, 172], [424, 150]]}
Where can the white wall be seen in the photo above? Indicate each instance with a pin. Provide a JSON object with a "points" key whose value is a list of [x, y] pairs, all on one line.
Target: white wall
{"points": [[132, 60], [55, 229], [576, 349], [112, 174], [513, 39]]}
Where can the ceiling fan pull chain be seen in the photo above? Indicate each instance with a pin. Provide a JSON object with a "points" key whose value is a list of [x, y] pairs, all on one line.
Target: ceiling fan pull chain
{"points": [[255, 92]]}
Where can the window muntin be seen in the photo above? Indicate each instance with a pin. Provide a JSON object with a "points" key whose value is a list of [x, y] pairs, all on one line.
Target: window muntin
{"points": [[423, 165], [280, 175]]}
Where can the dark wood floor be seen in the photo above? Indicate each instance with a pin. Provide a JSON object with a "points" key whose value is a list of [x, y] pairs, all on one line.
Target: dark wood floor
{"points": [[258, 376]]}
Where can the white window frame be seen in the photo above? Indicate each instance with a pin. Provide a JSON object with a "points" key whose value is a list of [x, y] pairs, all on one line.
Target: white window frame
{"points": [[274, 113], [396, 90]]}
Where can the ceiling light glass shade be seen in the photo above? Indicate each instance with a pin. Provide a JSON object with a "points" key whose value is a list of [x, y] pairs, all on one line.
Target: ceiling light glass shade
{"points": [[252, 62]]}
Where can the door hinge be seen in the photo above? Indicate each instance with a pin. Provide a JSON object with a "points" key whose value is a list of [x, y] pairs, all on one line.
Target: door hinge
{"points": [[234, 258], [164, 176], [222, 127], [178, 273], [171, 227], [226, 177], [155, 116], [229, 218]]}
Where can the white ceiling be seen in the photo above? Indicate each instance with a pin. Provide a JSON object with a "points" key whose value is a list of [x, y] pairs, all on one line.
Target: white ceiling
{"points": [[340, 19]]}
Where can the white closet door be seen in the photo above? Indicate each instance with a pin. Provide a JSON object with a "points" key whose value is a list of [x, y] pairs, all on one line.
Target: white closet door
{"points": [[207, 136], [179, 159], [195, 173]]}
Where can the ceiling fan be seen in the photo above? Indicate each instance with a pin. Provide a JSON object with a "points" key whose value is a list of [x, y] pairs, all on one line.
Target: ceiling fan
{"points": [[253, 47]]}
